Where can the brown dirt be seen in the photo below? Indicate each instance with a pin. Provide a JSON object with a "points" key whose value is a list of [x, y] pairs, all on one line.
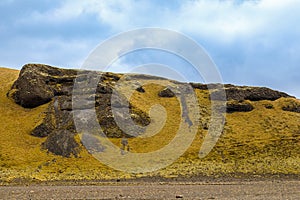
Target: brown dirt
{"points": [[279, 189]]}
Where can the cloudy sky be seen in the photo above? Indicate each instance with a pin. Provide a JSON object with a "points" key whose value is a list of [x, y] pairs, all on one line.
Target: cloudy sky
{"points": [[252, 42]]}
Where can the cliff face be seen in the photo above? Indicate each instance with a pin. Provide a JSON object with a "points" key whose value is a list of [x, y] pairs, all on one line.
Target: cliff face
{"points": [[40, 84]]}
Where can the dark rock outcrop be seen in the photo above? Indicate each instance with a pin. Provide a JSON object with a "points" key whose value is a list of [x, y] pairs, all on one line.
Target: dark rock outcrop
{"points": [[38, 84], [291, 106], [268, 106], [240, 93], [238, 106], [253, 93], [166, 93], [62, 142], [140, 89]]}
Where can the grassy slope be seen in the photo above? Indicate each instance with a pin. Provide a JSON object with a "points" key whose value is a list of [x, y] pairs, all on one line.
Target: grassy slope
{"points": [[264, 141]]}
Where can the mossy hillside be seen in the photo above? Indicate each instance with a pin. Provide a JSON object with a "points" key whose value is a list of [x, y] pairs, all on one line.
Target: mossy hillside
{"points": [[263, 141]]}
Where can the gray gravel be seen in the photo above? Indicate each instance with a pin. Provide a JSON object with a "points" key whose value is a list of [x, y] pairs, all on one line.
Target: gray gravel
{"points": [[172, 190]]}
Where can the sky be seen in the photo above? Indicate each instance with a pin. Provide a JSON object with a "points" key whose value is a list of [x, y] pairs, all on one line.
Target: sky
{"points": [[253, 43]]}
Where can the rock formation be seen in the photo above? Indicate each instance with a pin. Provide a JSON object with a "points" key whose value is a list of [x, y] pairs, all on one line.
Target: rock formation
{"points": [[238, 106], [166, 93], [240, 93], [291, 106], [39, 84]]}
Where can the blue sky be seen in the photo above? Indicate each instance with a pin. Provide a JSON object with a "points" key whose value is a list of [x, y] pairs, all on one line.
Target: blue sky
{"points": [[251, 42]]}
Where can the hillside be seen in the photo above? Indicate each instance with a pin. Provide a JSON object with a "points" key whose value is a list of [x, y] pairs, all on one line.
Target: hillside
{"points": [[261, 135]]}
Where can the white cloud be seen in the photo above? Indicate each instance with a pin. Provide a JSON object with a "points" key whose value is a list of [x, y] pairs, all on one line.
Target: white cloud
{"points": [[223, 20], [115, 13], [226, 21], [214, 15], [243, 36]]}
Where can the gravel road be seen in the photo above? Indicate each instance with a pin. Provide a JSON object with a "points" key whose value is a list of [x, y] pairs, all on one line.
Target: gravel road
{"points": [[159, 190]]}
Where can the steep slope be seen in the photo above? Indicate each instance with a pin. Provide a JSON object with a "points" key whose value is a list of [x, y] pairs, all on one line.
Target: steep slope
{"points": [[261, 134]]}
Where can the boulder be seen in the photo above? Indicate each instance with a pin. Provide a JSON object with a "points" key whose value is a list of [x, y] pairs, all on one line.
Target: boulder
{"points": [[238, 106], [268, 106], [166, 93], [38, 84], [140, 89], [62, 142]]}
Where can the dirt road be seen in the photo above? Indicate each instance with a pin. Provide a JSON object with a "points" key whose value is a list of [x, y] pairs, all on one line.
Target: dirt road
{"points": [[174, 190]]}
